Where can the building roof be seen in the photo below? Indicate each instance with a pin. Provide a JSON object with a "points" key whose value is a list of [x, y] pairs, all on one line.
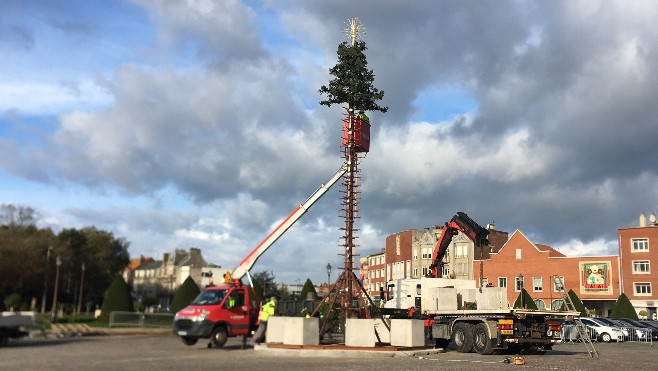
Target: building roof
{"points": [[551, 251]]}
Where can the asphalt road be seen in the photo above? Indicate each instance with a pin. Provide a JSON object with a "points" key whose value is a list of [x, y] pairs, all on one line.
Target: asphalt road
{"points": [[166, 352]]}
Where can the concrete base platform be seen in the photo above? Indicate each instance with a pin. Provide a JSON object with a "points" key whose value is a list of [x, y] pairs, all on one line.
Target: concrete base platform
{"points": [[341, 350]]}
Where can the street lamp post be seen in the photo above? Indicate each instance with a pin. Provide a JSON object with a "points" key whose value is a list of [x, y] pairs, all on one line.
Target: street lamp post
{"points": [[520, 277], [82, 281], [45, 282], [328, 272], [53, 310]]}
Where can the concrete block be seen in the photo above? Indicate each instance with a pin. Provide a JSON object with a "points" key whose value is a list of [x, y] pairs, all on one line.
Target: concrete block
{"points": [[293, 331], [492, 298], [407, 332], [361, 332]]}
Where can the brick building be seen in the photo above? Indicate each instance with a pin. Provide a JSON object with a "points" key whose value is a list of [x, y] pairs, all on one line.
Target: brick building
{"points": [[376, 276], [638, 247], [595, 279]]}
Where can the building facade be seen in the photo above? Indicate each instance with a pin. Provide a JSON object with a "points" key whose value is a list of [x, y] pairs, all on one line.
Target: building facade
{"points": [[520, 263], [638, 255], [158, 279], [376, 277]]}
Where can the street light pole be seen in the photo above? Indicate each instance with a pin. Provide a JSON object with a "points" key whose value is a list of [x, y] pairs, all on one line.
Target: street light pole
{"points": [[328, 273], [45, 282], [82, 281], [53, 310]]}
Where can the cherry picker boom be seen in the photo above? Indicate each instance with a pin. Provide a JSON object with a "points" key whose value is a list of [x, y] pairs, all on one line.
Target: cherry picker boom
{"points": [[247, 263], [231, 308]]}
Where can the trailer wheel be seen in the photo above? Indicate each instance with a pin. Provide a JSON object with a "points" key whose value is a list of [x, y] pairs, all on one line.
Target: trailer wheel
{"points": [[462, 337], [189, 340], [219, 337], [481, 339]]}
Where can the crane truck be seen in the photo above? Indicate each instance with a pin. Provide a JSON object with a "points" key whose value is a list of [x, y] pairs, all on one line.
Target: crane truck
{"points": [[472, 319], [231, 308]]}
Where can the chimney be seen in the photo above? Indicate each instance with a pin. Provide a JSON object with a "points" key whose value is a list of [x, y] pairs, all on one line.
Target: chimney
{"points": [[652, 219], [165, 259], [491, 226], [643, 220]]}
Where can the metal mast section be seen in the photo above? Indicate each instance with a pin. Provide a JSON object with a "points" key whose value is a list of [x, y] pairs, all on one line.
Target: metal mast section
{"points": [[350, 198]]}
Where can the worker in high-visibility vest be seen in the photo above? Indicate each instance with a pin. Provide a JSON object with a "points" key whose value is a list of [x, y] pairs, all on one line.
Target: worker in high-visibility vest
{"points": [[267, 311]]}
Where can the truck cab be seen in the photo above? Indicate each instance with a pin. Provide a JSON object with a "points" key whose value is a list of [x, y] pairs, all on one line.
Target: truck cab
{"points": [[217, 313]]}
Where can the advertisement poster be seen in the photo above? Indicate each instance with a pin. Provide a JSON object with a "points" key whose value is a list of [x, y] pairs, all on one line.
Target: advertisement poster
{"points": [[595, 277]]}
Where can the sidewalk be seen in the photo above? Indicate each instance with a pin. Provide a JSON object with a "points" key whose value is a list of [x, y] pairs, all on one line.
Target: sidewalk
{"points": [[77, 329]]}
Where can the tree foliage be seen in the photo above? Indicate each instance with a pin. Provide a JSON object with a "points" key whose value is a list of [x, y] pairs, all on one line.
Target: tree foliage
{"points": [[264, 285], [28, 256], [353, 82], [528, 302], [184, 295], [577, 303], [308, 289], [624, 309], [117, 299]]}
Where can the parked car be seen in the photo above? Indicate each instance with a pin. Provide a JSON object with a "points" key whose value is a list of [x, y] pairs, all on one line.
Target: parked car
{"points": [[633, 333], [626, 331], [604, 332], [647, 331]]}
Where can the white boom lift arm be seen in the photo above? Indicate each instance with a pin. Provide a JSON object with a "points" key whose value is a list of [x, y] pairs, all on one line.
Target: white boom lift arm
{"points": [[248, 262]]}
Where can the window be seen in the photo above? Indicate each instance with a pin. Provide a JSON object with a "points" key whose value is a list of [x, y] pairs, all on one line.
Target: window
{"points": [[446, 271], [540, 304], [485, 281], [640, 244], [641, 266], [537, 284], [427, 253], [446, 257], [518, 254], [461, 269], [415, 272], [558, 283], [557, 304], [643, 288], [461, 251], [502, 281], [415, 254], [424, 271]]}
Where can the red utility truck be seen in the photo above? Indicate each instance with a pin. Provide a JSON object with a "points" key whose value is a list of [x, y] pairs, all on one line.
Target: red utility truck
{"points": [[231, 309]]}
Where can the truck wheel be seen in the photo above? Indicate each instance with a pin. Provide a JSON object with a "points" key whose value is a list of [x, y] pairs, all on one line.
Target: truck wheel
{"points": [[189, 340], [219, 337], [462, 337], [481, 339]]}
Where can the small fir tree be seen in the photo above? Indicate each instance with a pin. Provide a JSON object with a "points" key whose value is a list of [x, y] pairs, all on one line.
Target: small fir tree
{"points": [[528, 302], [308, 289], [624, 309], [185, 294], [577, 303], [117, 299]]}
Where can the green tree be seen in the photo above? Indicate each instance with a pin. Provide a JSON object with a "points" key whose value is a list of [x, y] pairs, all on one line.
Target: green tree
{"points": [[184, 295], [308, 289], [577, 303], [117, 299], [265, 285], [528, 302], [353, 82], [13, 301], [624, 309]]}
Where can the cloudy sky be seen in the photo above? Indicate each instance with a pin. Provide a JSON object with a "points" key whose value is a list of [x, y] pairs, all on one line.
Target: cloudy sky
{"points": [[196, 123]]}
